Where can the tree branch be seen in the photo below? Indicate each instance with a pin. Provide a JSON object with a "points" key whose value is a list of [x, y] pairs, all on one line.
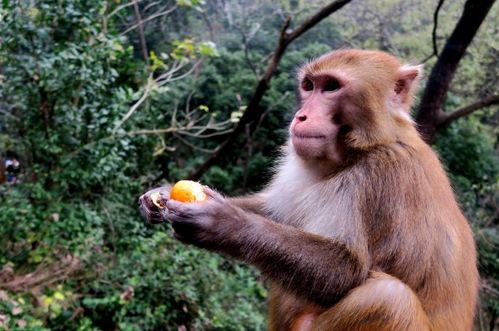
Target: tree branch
{"points": [[430, 109], [147, 91], [434, 32], [447, 118], [149, 18], [6, 113], [435, 27], [319, 16], [120, 7], [253, 111], [142, 38]]}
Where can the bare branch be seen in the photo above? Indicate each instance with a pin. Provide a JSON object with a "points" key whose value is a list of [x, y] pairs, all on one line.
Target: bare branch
{"points": [[489, 289], [121, 7], [245, 40], [430, 109], [220, 128], [161, 80], [6, 113], [147, 91], [187, 73], [426, 59], [142, 38], [42, 276], [185, 142], [150, 131], [150, 18], [272, 107], [435, 27], [150, 5], [207, 135], [434, 33], [446, 118], [319, 16]]}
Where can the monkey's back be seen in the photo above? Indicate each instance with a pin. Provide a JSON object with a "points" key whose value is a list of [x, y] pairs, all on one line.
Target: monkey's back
{"points": [[425, 240]]}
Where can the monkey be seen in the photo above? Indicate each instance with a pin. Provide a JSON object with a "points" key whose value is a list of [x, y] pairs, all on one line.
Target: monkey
{"points": [[358, 229]]}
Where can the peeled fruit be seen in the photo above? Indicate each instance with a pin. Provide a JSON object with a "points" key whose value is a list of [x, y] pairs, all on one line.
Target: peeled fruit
{"points": [[156, 200], [188, 191]]}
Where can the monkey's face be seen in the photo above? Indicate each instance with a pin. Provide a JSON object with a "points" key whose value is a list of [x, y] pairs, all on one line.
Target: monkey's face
{"points": [[318, 128], [351, 100]]}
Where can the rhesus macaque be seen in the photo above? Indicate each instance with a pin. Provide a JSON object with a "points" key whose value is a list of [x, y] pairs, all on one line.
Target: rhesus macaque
{"points": [[359, 228]]}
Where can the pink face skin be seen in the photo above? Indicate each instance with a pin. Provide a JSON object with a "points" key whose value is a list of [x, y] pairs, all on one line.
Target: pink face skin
{"points": [[318, 126]]}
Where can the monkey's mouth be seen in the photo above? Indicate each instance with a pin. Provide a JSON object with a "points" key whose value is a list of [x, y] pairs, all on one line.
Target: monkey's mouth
{"points": [[308, 136]]}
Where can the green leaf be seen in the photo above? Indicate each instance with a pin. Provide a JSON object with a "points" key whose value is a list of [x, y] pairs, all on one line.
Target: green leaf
{"points": [[207, 49]]}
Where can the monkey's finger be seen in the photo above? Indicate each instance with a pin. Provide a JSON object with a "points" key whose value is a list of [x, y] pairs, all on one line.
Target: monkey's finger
{"points": [[164, 196], [152, 217], [165, 214], [159, 195], [163, 190], [173, 217], [183, 208], [149, 210], [212, 193]]}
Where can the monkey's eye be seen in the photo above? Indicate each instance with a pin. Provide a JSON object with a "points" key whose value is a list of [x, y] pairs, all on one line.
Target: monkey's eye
{"points": [[337, 119], [307, 85], [331, 85]]}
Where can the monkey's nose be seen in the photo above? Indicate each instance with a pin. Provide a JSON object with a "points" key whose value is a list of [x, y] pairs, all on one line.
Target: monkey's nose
{"points": [[302, 118]]}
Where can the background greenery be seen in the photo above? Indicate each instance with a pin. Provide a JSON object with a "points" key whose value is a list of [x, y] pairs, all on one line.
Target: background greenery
{"points": [[75, 253]]}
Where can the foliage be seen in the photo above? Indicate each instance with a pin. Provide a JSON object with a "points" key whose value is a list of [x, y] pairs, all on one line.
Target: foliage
{"points": [[70, 82], [75, 253]]}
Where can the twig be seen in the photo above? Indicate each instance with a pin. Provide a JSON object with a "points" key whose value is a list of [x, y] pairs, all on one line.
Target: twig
{"points": [[150, 18], [446, 118], [142, 38], [434, 32], [159, 81], [187, 73], [151, 131], [114, 12], [204, 150], [435, 26], [6, 113], [442, 73], [491, 290], [44, 275], [149, 6], [208, 135], [147, 91]]}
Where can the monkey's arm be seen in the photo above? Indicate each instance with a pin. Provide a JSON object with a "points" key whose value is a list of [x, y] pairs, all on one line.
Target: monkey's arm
{"points": [[320, 269], [253, 203]]}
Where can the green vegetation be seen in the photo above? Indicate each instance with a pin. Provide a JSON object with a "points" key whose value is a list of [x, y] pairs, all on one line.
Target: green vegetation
{"points": [[95, 124]]}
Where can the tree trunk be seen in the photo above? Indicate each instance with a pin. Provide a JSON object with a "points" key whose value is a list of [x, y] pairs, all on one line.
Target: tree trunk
{"points": [[430, 111], [140, 28], [3, 179]]}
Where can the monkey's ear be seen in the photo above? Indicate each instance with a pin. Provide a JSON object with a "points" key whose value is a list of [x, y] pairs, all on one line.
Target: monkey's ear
{"points": [[407, 79]]}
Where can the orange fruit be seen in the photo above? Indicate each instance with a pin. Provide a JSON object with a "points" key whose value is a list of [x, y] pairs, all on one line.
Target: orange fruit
{"points": [[188, 191]]}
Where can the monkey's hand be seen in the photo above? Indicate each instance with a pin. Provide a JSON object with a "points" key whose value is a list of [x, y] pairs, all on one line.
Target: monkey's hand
{"points": [[153, 204], [208, 224]]}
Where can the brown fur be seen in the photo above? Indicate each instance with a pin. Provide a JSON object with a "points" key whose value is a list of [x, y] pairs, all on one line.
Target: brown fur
{"points": [[359, 228], [392, 205]]}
